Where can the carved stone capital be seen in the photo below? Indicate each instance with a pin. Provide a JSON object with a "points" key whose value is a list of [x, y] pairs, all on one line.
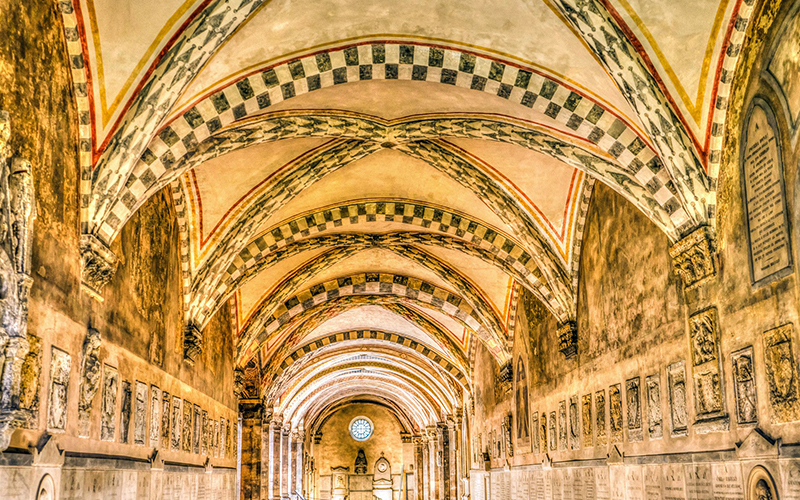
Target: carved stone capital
{"points": [[568, 339], [318, 438], [693, 258], [405, 437], [238, 382], [192, 343], [504, 379], [98, 265]]}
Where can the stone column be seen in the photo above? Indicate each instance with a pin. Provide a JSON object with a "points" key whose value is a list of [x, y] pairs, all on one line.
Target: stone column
{"points": [[275, 432], [251, 450], [456, 446], [297, 463], [419, 459], [286, 462], [445, 467], [425, 471], [434, 445]]}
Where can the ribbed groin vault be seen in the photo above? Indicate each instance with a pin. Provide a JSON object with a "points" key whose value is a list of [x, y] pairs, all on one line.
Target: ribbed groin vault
{"points": [[399, 250]]}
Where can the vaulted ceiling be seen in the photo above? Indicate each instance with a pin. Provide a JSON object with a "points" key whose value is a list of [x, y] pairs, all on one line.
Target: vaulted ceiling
{"points": [[393, 171]]}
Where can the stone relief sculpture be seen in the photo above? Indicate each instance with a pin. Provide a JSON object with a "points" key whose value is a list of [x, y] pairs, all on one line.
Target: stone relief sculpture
{"points": [[508, 427], [543, 432], [60, 363], [155, 415], [634, 407], [187, 427], [709, 406], [744, 386], [176, 427], [166, 412], [574, 424], [693, 258], [615, 412], [125, 412], [223, 435], [781, 371], [204, 434], [90, 380], [537, 432], [586, 404], [676, 374], [600, 417], [216, 439], [552, 430], [17, 214], [562, 425], [108, 420], [196, 430], [654, 427], [361, 462], [98, 264], [140, 414]]}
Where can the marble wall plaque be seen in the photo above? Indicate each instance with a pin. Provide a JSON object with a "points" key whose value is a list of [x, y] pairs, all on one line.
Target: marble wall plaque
{"points": [[726, 481], [589, 484], [562, 425], [553, 432], [652, 482], [140, 414], [538, 484], [744, 386], [108, 412], [166, 413], [216, 438], [764, 195], [600, 417], [155, 416], [536, 437], [557, 477], [601, 481], [653, 387], [586, 425], [188, 411], [790, 477], [781, 370], [578, 490], [196, 429], [568, 484], [547, 477], [60, 365], [634, 483], [125, 412], [674, 486], [574, 424], [633, 400], [615, 412], [176, 426], [698, 481], [616, 475], [679, 419]]}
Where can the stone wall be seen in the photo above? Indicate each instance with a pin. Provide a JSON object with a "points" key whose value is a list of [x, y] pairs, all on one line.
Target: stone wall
{"points": [[676, 391], [105, 382]]}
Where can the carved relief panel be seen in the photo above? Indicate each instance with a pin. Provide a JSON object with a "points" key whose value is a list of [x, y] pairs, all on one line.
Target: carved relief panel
{"points": [[108, 417], [60, 363], [586, 412], [634, 409], [781, 364], [543, 432], [125, 412], [30, 385], [600, 417], [166, 412], [186, 433], [676, 375], [155, 416], [90, 380], [140, 414], [615, 412], [553, 432], [536, 438], [562, 425], [744, 386], [196, 429], [223, 433], [654, 426], [176, 426], [707, 370], [574, 424]]}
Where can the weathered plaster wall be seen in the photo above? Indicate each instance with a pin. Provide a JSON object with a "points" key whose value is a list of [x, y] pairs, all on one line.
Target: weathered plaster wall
{"points": [[139, 320]]}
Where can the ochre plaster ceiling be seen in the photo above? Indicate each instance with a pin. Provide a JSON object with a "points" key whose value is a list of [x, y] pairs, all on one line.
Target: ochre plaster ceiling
{"points": [[394, 167]]}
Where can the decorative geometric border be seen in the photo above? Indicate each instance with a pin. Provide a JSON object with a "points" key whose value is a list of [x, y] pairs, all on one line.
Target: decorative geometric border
{"points": [[364, 284], [373, 61], [276, 243]]}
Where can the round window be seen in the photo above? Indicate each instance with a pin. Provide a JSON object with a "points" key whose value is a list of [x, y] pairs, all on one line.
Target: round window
{"points": [[361, 428]]}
